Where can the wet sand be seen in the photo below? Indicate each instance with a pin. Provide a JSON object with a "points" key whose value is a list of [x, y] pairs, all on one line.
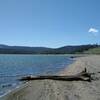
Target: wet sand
{"points": [[63, 90]]}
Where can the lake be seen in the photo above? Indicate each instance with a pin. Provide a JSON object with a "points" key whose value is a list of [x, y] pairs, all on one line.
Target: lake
{"points": [[13, 67]]}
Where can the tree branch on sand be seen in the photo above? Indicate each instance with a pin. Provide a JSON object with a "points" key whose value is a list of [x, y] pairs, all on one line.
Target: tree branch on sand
{"points": [[82, 76]]}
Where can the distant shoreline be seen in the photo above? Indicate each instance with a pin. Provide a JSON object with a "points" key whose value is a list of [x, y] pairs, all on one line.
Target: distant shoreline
{"points": [[51, 54]]}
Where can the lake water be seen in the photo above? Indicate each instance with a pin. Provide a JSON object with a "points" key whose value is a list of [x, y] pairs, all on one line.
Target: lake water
{"points": [[13, 67]]}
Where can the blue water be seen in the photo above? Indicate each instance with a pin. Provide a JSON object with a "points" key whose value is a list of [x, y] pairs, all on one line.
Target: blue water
{"points": [[12, 67]]}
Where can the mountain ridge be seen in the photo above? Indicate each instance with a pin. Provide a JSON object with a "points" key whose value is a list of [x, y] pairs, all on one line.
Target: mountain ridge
{"points": [[6, 49]]}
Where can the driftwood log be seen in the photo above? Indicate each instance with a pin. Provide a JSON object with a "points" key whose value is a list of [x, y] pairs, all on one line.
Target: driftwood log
{"points": [[82, 76]]}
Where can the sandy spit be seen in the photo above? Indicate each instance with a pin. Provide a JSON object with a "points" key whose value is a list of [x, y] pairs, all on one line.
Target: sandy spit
{"points": [[63, 90]]}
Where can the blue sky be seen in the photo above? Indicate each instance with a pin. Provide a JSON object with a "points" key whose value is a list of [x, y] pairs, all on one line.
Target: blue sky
{"points": [[50, 23]]}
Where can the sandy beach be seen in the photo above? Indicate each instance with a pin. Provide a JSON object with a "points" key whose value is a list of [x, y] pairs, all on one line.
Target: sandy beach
{"points": [[63, 90]]}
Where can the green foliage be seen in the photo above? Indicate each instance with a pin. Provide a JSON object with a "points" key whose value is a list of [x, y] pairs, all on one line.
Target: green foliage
{"points": [[93, 51]]}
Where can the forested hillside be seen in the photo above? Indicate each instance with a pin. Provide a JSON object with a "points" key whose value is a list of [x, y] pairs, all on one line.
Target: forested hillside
{"points": [[5, 49]]}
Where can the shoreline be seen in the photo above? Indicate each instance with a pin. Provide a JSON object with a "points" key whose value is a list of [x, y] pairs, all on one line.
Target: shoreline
{"points": [[74, 68], [18, 87], [14, 88], [12, 91], [55, 90]]}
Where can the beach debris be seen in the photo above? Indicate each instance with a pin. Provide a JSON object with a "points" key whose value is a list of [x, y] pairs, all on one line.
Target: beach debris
{"points": [[82, 76]]}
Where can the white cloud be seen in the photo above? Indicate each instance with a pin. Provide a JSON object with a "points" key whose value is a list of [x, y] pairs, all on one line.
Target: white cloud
{"points": [[94, 31]]}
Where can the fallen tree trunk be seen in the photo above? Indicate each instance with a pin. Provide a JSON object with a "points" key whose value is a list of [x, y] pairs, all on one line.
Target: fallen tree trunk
{"points": [[83, 76]]}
